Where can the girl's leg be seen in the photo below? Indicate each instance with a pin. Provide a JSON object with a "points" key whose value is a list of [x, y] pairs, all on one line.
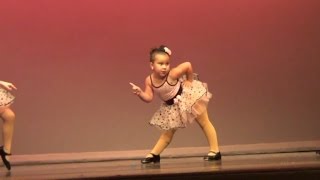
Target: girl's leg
{"points": [[162, 143], [8, 117], [209, 131]]}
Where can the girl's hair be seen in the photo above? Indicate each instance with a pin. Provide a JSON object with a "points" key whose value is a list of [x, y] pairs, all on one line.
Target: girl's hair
{"points": [[160, 50]]}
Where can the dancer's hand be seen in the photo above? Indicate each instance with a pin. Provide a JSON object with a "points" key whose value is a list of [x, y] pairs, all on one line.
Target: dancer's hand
{"points": [[7, 85], [135, 89], [187, 83]]}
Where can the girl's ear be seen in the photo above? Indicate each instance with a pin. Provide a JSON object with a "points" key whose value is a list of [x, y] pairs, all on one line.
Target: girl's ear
{"points": [[151, 65]]}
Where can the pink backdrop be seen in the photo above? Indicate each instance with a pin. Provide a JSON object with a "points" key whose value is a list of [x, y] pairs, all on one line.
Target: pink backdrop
{"points": [[72, 62]]}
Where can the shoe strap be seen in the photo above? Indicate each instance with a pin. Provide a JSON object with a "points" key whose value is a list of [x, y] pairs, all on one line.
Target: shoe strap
{"points": [[214, 152], [5, 153], [153, 154]]}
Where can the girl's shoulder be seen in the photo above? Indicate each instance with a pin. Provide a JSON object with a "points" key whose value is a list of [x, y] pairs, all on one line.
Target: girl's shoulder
{"points": [[174, 73], [148, 80]]}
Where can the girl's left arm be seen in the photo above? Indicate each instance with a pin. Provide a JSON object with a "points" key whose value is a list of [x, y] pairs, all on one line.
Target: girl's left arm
{"points": [[182, 69]]}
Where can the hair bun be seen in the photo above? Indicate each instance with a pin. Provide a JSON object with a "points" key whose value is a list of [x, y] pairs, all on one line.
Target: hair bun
{"points": [[165, 49]]}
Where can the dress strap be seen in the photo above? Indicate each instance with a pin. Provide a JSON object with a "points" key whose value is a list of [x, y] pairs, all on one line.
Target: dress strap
{"points": [[151, 81], [166, 80]]}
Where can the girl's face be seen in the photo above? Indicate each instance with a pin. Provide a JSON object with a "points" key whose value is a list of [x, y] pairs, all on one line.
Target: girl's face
{"points": [[161, 64]]}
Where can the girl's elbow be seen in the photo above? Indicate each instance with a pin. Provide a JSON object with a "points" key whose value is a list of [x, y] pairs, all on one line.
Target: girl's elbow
{"points": [[188, 64], [148, 99]]}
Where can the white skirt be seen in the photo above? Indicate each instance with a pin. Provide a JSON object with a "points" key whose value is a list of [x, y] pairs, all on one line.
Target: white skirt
{"points": [[6, 98], [192, 102]]}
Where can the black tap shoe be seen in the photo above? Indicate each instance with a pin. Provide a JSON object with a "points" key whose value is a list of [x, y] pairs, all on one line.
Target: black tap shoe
{"points": [[3, 155], [153, 159], [215, 157]]}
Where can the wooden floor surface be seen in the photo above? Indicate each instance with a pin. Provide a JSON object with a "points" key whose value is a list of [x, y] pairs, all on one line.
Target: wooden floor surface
{"points": [[292, 165]]}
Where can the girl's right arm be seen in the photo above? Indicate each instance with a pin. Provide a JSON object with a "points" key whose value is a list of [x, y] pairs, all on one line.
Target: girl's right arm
{"points": [[147, 94], [7, 85]]}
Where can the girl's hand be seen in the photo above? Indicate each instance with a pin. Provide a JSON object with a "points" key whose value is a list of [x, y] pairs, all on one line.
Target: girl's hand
{"points": [[135, 89], [187, 83], [7, 85]]}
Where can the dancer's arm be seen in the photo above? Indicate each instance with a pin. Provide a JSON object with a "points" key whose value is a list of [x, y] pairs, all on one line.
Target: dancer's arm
{"points": [[147, 94], [182, 69], [7, 85]]}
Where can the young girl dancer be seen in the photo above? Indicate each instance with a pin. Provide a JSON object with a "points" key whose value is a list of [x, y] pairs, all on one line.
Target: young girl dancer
{"points": [[185, 99], [8, 116]]}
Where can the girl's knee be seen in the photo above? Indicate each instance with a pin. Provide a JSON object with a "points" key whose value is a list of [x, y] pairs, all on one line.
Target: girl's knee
{"points": [[203, 121], [8, 115], [167, 136], [167, 141]]}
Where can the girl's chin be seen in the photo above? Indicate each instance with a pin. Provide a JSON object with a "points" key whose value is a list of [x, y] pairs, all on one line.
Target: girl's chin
{"points": [[163, 74]]}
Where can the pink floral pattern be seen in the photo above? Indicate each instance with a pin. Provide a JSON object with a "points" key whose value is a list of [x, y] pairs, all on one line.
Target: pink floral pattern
{"points": [[191, 103], [6, 98]]}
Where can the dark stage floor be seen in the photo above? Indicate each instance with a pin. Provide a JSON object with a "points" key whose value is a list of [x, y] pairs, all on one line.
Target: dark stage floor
{"points": [[302, 165]]}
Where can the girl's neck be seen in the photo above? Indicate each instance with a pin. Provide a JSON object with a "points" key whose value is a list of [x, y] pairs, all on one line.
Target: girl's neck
{"points": [[158, 77]]}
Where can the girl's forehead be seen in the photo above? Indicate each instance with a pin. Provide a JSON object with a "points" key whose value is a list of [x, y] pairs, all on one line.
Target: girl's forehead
{"points": [[161, 57]]}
